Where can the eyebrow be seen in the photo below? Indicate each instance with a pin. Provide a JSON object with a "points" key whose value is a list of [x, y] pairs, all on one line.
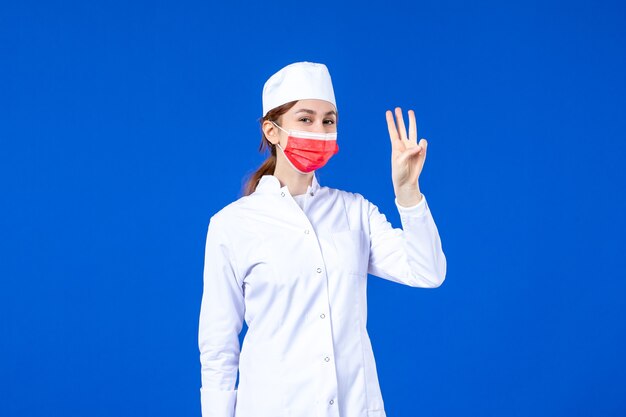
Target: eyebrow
{"points": [[314, 112]]}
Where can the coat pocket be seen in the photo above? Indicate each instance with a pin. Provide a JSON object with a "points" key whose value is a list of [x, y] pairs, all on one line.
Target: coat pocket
{"points": [[352, 251]]}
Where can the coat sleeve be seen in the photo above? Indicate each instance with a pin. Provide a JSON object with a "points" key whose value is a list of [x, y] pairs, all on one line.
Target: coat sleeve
{"points": [[411, 255], [221, 320]]}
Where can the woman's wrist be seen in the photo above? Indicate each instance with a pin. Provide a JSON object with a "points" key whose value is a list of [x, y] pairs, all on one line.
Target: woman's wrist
{"points": [[408, 197]]}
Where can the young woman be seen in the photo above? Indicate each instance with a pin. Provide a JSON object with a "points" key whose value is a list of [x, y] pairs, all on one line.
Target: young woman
{"points": [[291, 257]]}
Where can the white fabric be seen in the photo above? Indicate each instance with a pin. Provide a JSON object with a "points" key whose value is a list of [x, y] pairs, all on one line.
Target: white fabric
{"points": [[301, 199], [298, 276], [298, 81]]}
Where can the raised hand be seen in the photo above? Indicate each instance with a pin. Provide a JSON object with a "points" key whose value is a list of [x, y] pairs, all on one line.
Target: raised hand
{"points": [[407, 158]]}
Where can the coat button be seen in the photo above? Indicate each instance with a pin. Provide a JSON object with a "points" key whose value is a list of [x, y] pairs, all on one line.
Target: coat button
{"points": [[322, 315], [319, 270], [282, 193], [306, 231], [331, 402], [326, 358], [311, 193]]}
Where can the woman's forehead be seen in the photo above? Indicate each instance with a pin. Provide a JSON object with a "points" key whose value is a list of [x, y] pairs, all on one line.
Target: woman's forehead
{"points": [[313, 106]]}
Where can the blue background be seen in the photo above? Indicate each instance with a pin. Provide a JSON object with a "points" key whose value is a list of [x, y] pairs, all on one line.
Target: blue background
{"points": [[125, 125]]}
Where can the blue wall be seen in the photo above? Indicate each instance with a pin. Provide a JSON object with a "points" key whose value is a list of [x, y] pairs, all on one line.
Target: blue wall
{"points": [[125, 125]]}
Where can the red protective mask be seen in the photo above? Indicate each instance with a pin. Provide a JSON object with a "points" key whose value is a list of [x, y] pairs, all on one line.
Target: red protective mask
{"points": [[308, 151]]}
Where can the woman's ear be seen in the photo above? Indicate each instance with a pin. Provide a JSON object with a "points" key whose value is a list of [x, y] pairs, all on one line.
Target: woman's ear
{"points": [[270, 131]]}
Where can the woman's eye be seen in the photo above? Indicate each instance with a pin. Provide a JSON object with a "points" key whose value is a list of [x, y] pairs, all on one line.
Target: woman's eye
{"points": [[308, 120]]}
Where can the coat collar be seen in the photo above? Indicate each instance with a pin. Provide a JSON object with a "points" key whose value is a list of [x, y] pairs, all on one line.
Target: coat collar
{"points": [[270, 184]]}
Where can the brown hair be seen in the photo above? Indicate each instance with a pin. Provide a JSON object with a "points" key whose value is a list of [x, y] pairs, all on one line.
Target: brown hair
{"points": [[268, 166]]}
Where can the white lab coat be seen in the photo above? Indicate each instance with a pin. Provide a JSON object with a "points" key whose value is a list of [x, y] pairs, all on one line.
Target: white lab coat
{"points": [[298, 276]]}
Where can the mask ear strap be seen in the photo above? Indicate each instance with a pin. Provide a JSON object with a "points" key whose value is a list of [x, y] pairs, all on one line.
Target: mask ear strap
{"points": [[279, 127], [278, 144]]}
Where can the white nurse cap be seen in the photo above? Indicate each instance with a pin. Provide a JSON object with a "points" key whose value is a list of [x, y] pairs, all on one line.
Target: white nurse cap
{"points": [[298, 81]]}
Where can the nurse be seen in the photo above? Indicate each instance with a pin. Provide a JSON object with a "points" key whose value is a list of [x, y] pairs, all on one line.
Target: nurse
{"points": [[292, 257]]}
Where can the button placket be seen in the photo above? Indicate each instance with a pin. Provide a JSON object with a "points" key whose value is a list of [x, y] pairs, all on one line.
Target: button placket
{"points": [[326, 343], [330, 371], [330, 387]]}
